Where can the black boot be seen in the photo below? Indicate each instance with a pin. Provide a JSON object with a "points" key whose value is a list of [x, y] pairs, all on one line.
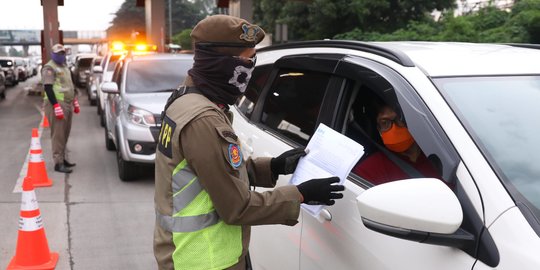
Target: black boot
{"points": [[62, 168], [68, 164]]}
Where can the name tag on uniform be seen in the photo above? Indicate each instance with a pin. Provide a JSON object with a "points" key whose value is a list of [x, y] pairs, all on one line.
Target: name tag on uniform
{"points": [[164, 141]]}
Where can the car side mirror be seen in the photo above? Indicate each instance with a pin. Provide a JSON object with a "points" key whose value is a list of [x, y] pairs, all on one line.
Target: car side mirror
{"points": [[110, 88], [97, 69], [422, 210]]}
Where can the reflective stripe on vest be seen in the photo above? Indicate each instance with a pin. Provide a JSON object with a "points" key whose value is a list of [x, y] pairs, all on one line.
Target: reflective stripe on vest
{"points": [[185, 187]]}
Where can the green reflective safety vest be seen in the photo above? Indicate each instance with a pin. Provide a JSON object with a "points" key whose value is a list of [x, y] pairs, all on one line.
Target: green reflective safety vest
{"points": [[201, 239], [63, 85]]}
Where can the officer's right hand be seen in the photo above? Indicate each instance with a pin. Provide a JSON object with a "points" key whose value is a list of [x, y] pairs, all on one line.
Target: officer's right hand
{"points": [[58, 112], [321, 191]]}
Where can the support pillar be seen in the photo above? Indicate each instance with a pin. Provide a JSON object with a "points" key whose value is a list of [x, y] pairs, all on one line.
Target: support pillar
{"points": [[51, 35], [155, 23], [242, 9]]}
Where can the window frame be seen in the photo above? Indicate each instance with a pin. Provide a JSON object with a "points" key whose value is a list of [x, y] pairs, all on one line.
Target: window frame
{"points": [[322, 63]]}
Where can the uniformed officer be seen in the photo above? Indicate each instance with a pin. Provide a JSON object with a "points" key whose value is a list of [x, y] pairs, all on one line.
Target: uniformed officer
{"points": [[60, 103], [204, 206]]}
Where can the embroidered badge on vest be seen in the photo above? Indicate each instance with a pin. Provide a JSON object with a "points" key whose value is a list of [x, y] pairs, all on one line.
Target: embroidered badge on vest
{"points": [[250, 32], [235, 156], [164, 140]]}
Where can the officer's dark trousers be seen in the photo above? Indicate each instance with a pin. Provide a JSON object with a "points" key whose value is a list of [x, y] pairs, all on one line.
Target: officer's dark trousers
{"points": [[60, 130]]}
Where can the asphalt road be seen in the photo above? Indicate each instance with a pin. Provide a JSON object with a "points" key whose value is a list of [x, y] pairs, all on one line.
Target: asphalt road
{"points": [[91, 218]]}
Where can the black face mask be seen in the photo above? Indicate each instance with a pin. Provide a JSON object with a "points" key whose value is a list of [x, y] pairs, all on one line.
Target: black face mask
{"points": [[221, 78]]}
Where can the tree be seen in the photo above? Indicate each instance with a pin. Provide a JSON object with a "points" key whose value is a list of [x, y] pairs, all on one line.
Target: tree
{"points": [[185, 14], [319, 19], [129, 19], [525, 20], [14, 52], [184, 39], [266, 13]]}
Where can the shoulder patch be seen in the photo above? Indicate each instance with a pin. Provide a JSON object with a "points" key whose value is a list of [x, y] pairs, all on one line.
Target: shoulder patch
{"points": [[164, 140], [235, 155]]}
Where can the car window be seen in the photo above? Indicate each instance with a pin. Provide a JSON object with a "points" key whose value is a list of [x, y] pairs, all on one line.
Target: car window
{"points": [[293, 103], [112, 62], [258, 79], [374, 118], [117, 74], [84, 62]]}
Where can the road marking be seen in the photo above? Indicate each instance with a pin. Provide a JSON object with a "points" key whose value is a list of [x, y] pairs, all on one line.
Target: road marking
{"points": [[24, 169]]}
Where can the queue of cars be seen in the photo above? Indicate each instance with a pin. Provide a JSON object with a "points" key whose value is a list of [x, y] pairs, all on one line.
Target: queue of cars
{"points": [[14, 70]]}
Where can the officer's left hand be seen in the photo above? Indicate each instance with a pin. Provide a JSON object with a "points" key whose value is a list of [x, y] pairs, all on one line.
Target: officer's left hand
{"points": [[286, 163], [76, 107]]}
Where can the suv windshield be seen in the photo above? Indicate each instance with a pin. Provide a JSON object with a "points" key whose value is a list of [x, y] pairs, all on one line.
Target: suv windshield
{"points": [[85, 62], [156, 76], [501, 114], [6, 63]]}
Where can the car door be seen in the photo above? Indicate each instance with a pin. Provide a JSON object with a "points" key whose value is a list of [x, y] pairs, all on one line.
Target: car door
{"points": [[338, 238], [280, 111], [112, 102]]}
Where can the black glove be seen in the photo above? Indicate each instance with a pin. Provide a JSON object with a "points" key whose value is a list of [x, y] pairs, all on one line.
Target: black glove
{"points": [[321, 191], [286, 162]]}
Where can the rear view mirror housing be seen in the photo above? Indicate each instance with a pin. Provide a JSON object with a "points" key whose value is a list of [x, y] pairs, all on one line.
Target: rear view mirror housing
{"points": [[110, 88], [97, 69], [422, 210]]}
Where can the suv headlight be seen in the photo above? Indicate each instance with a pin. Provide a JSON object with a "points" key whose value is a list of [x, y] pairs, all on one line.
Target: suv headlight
{"points": [[140, 117]]}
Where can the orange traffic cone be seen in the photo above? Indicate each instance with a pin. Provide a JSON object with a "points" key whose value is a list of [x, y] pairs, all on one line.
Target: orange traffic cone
{"points": [[36, 164], [32, 250], [45, 122]]}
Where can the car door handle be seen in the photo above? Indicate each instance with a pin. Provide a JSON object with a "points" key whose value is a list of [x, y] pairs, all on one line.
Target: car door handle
{"points": [[325, 214]]}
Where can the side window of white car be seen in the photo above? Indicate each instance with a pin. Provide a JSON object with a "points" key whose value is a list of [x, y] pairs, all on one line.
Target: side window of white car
{"points": [[293, 102], [246, 103]]}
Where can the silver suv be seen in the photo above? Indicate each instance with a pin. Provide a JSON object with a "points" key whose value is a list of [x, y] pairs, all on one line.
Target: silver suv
{"points": [[138, 92], [471, 108]]}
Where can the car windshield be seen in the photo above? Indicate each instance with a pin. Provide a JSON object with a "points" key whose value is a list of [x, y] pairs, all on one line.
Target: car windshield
{"points": [[6, 63], [501, 114], [85, 62], [157, 75]]}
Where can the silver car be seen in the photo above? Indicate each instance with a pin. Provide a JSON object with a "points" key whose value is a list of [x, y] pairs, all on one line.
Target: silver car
{"points": [[138, 92], [108, 63]]}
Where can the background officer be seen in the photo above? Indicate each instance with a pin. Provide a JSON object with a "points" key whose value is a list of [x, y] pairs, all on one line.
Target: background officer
{"points": [[60, 103], [204, 206]]}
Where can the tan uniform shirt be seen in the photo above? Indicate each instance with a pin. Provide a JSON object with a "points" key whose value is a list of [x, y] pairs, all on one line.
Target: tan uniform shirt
{"points": [[204, 142], [48, 76]]}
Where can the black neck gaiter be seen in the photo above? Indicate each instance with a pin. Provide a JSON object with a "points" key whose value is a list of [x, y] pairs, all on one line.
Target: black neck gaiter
{"points": [[221, 78]]}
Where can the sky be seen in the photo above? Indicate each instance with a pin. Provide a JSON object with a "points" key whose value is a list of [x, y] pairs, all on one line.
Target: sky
{"points": [[81, 15]]}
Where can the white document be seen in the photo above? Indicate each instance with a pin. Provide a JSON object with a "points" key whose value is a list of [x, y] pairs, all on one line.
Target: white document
{"points": [[330, 153]]}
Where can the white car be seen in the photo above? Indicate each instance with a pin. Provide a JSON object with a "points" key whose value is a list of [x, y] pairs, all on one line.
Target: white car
{"points": [[473, 110], [137, 93]]}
